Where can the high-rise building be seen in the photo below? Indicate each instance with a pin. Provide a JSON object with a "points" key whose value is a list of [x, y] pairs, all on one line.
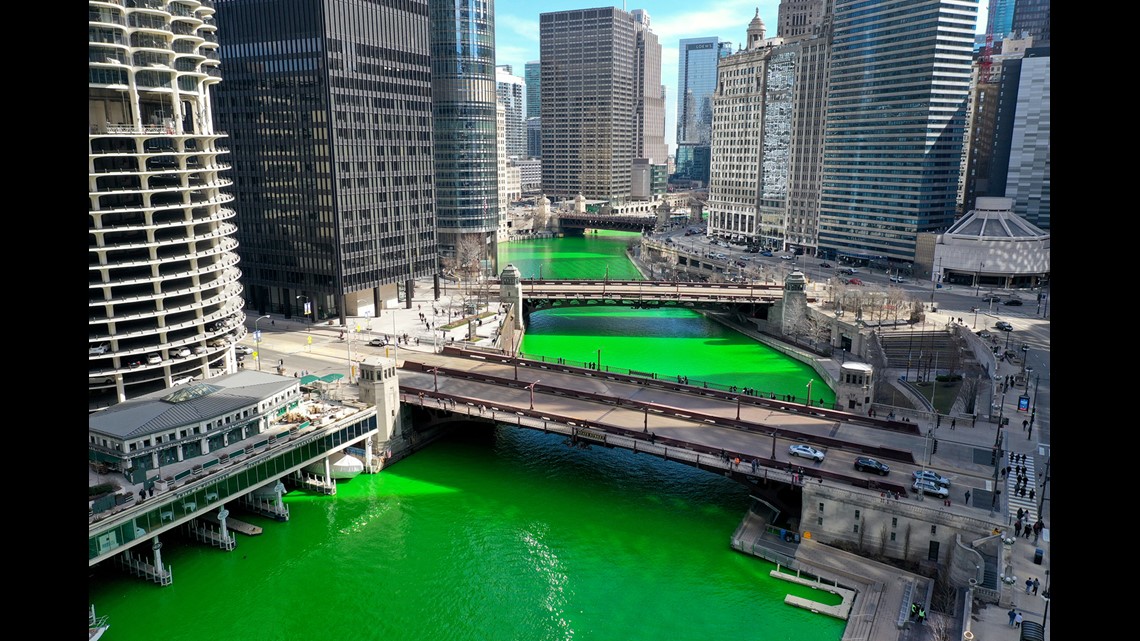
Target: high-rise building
{"points": [[1031, 18], [649, 94], [696, 81], [164, 295], [999, 19], [330, 115], [898, 87], [511, 90], [532, 75], [463, 103], [799, 17], [534, 137], [1022, 149], [595, 89]]}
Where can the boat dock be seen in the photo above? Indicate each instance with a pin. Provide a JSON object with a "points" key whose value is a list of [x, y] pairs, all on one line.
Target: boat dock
{"points": [[247, 529], [841, 611]]}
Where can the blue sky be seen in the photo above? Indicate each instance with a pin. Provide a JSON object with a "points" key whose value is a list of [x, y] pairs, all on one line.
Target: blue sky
{"points": [[516, 32]]}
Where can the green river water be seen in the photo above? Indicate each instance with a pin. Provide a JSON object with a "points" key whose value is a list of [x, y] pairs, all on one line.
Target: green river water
{"points": [[499, 533]]}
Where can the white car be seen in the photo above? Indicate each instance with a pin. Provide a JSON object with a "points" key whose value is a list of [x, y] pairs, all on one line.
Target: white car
{"points": [[898, 279], [181, 380], [806, 451], [98, 350], [243, 349], [931, 488], [787, 257], [927, 475], [153, 358], [182, 353]]}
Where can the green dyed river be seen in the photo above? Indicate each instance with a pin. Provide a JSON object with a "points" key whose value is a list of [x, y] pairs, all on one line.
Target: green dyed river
{"points": [[501, 533]]}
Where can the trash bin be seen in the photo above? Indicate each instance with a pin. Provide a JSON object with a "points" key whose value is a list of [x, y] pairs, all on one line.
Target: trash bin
{"points": [[1038, 554]]}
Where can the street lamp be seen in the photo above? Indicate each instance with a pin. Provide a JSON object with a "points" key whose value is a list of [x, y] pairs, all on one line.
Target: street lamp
{"points": [[435, 378], [306, 310], [1045, 595], [257, 339], [1024, 360], [978, 278], [531, 386]]}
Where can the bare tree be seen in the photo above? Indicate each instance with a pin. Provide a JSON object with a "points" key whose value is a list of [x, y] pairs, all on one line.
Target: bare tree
{"points": [[969, 393]]}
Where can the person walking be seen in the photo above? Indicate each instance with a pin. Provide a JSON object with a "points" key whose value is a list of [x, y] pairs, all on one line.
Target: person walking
{"points": [[967, 497], [1012, 616], [953, 423], [1028, 585], [1036, 584], [1017, 620]]}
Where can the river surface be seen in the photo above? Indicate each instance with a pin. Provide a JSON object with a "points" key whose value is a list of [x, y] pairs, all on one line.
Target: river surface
{"points": [[499, 533]]}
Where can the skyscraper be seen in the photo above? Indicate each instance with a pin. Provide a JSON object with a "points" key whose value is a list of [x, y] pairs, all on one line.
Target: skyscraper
{"points": [[463, 100], [999, 19], [1021, 170], [510, 89], [799, 17], [533, 77], [1031, 18], [898, 86], [164, 297], [696, 81], [330, 113], [597, 93]]}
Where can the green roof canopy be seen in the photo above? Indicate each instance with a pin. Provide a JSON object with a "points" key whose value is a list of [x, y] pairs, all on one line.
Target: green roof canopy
{"points": [[308, 380], [330, 378]]}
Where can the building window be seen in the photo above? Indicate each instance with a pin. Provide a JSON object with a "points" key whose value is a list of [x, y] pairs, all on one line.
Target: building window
{"points": [[819, 521], [894, 521], [892, 536], [821, 507], [856, 515], [856, 528], [933, 530]]}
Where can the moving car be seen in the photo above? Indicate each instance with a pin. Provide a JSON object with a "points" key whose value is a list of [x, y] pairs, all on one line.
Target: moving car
{"points": [[1003, 326], [806, 451], [787, 257], [245, 350], [868, 464], [855, 281], [825, 265], [1013, 301], [933, 489], [991, 299], [927, 475], [849, 271], [765, 253], [898, 279], [378, 342]]}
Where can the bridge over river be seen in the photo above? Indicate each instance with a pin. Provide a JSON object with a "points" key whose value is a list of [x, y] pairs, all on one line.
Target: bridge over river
{"points": [[702, 427]]}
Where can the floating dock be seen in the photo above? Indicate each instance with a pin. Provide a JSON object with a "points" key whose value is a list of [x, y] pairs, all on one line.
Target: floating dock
{"points": [[247, 529]]}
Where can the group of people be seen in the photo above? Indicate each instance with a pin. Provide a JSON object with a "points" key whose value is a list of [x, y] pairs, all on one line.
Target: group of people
{"points": [[1024, 529], [917, 612]]}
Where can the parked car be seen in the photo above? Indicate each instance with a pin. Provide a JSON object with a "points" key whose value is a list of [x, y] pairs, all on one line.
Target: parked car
{"points": [[182, 380], [855, 281], [199, 349], [933, 489], [183, 352], [218, 342], [98, 350], [1003, 326], [806, 451], [378, 342], [868, 464], [135, 363], [825, 265], [101, 380], [153, 358], [1013, 301], [244, 350], [927, 475]]}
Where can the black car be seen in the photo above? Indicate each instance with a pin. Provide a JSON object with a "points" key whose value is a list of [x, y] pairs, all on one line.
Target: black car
{"points": [[825, 265], [1003, 326], [868, 464], [1013, 301]]}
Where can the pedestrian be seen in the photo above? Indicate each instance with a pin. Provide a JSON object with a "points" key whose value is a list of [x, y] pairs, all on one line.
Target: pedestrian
{"points": [[1028, 585], [1036, 584], [1028, 529], [150, 491], [1004, 470], [1012, 616], [914, 611], [974, 421], [1011, 457], [142, 495], [1017, 620], [1017, 527], [1031, 493], [1020, 513], [1024, 424], [953, 423], [967, 497]]}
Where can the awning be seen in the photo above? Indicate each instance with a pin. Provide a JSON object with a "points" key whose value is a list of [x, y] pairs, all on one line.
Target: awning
{"points": [[332, 378], [308, 380]]}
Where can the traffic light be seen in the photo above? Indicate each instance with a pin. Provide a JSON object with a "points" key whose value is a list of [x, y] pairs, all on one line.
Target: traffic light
{"points": [[993, 456], [935, 450]]}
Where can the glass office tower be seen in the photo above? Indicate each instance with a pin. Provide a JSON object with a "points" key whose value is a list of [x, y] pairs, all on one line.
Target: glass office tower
{"points": [[466, 160], [329, 106], [896, 108], [696, 81]]}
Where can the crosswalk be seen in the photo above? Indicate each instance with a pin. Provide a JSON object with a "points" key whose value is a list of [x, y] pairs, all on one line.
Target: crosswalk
{"points": [[1015, 500]]}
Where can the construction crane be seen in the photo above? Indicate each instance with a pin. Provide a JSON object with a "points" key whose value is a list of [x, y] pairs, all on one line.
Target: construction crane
{"points": [[985, 64]]}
